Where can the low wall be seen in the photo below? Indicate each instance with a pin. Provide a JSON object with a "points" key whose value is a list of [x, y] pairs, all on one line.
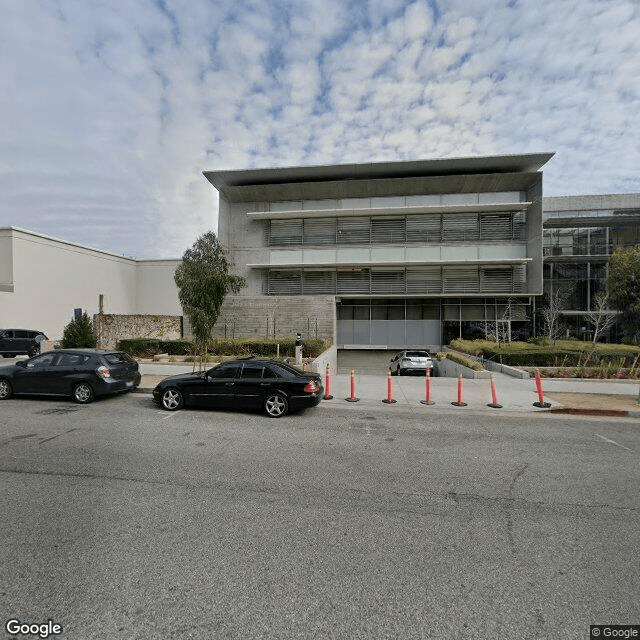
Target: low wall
{"points": [[328, 357], [449, 369], [111, 328]]}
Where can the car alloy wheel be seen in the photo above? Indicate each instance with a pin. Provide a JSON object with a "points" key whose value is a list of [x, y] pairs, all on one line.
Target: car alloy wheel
{"points": [[276, 405], [172, 399], [5, 390], [83, 393]]}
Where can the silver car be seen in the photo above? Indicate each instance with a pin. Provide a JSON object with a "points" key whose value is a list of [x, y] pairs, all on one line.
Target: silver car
{"points": [[411, 362]]}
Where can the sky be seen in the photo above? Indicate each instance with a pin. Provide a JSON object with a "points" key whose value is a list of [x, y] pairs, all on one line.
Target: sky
{"points": [[112, 109]]}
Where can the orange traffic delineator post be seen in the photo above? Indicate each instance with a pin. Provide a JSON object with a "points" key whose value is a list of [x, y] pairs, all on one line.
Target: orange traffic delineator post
{"points": [[428, 399], [541, 403], [494, 396], [459, 403], [327, 385], [353, 398], [389, 399]]}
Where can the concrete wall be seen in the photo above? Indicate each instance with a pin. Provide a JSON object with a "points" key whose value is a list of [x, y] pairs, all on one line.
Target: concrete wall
{"points": [[156, 291], [111, 328], [6, 261], [43, 279], [52, 277], [269, 316]]}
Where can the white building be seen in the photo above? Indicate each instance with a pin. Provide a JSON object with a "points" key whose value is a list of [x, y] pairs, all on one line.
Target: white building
{"points": [[42, 280]]}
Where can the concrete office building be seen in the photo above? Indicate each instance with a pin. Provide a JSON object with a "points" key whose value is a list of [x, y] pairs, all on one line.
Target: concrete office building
{"points": [[580, 233], [383, 255]]}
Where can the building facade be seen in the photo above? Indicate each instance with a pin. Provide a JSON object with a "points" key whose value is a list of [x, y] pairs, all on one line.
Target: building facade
{"points": [[384, 255], [43, 279], [580, 233]]}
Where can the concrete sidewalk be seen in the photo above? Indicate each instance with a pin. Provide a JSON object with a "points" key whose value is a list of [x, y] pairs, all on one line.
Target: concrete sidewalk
{"points": [[586, 397]]}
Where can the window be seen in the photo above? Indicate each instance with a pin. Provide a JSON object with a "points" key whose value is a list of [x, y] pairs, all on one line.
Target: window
{"points": [[225, 371], [71, 359]]}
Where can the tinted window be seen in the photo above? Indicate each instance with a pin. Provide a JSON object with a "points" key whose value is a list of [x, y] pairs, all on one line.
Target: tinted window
{"points": [[417, 354], [71, 359], [117, 358], [22, 334], [42, 361], [251, 370], [225, 371], [286, 367]]}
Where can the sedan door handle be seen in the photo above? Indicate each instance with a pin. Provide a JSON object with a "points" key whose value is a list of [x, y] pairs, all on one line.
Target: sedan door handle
{"points": [[229, 384]]}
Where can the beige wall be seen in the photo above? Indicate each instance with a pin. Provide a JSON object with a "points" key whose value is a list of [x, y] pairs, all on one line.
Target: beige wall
{"points": [[156, 289], [51, 277]]}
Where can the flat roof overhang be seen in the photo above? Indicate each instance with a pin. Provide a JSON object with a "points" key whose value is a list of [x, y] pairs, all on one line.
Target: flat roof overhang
{"points": [[524, 163]]}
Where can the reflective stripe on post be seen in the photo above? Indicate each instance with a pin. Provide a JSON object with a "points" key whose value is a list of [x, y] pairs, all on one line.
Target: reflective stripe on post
{"points": [[389, 399], [427, 399], [353, 398], [459, 402]]}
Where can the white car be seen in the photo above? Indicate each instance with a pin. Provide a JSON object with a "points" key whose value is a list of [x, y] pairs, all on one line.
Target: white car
{"points": [[411, 362]]}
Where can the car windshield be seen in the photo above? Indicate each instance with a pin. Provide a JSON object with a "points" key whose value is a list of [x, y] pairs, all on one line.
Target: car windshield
{"points": [[417, 354]]}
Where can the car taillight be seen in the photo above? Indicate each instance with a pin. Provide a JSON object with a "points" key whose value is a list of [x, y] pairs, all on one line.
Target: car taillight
{"points": [[311, 387], [103, 372]]}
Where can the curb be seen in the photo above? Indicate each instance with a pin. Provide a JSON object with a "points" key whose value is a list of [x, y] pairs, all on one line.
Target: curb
{"points": [[612, 413]]}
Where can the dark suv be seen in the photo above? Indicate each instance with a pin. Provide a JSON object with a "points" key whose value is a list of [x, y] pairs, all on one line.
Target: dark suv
{"points": [[15, 342]]}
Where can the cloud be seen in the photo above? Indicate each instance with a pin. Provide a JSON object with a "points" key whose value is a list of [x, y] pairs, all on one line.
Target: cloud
{"points": [[113, 110]]}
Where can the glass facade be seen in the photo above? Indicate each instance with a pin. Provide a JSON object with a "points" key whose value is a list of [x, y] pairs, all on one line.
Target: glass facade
{"points": [[576, 246]]}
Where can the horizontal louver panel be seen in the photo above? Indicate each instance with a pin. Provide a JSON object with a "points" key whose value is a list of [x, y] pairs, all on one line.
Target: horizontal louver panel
{"points": [[460, 279], [319, 282], [424, 280], [415, 280], [391, 230], [320, 231], [388, 281], [285, 232], [424, 228], [459, 227], [356, 281], [353, 231]]}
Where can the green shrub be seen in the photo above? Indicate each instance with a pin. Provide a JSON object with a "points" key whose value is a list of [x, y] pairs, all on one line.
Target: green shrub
{"points": [[464, 361], [311, 348], [79, 333]]}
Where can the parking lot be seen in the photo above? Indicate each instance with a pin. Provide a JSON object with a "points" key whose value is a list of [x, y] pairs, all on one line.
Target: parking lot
{"points": [[122, 520]]}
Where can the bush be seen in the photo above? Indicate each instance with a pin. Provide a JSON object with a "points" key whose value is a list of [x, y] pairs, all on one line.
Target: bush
{"points": [[464, 361], [79, 333], [311, 348], [564, 353]]}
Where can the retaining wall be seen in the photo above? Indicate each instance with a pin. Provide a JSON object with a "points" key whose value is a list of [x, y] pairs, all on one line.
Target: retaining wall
{"points": [[111, 328]]}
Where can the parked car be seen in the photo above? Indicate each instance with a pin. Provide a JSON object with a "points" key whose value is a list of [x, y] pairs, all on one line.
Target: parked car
{"points": [[82, 374], [411, 362], [14, 342], [275, 387]]}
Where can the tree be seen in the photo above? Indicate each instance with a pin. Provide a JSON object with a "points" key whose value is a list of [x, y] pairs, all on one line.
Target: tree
{"points": [[79, 333], [623, 284], [203, 281], [551, 314], [601, 317]]}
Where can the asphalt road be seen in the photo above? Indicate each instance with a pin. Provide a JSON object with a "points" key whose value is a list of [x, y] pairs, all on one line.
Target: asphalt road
{"points": [[119, 520]]}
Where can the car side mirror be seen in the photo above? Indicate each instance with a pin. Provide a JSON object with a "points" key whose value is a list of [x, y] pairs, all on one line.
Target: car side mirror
{"points": [[21, 363]]}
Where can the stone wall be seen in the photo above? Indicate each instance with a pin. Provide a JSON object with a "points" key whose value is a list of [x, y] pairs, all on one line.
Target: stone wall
{"points": [[274, 316], [111, 328]]}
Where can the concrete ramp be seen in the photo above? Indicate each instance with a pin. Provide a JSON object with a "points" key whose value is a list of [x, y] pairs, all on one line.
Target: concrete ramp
{"points": [[365, 361]]}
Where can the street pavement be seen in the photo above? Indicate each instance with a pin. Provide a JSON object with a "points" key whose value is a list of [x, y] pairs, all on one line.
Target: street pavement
{"points": [[590, 397]]}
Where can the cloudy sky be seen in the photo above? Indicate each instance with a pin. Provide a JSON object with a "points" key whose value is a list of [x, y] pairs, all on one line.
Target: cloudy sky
{"points": [[112, 109]]}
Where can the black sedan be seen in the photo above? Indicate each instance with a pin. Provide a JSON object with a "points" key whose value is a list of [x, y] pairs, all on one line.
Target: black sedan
{"points": [[275, 387], [82, 374]]}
